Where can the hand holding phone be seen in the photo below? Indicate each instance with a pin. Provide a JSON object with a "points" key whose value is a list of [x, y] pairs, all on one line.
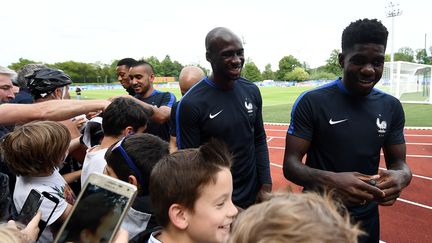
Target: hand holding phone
{"points": [[30, 207], [99, 210]]}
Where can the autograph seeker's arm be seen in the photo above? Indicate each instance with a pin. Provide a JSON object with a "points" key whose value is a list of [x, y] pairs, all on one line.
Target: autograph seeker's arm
{"points": [[353, 186], [55, 110]]}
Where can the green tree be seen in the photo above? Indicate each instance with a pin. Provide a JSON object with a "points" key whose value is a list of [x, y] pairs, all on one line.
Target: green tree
{"points": [[79, 72], [21, 62], [251, 72], [319, 74], [286, 65], [268, 73], [298, 74], [169, 68], [421, 56], [332, 63], [154, 61], [405, 54]]}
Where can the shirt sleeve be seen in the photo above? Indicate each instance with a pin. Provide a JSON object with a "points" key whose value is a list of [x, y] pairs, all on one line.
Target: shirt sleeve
{"points": [[301, 124], [396, 135], [168, 99], [187, 125], [261, 149], [172, 121]]}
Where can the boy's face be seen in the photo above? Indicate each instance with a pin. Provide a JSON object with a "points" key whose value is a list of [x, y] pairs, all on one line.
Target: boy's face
{"points": [[214, 211]]}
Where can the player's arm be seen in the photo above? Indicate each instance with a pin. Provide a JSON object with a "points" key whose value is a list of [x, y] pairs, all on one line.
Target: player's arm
{"points": [[187, 126], [397, 176], [159, 114], [352, 186], [262, 155]]}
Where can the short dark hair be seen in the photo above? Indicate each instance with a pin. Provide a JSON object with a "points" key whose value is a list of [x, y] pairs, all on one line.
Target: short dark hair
{"points": [[121, 113], [26, 70], [145, 150], [148, 66], [129, 62], [181, 177], [35, 147], [364, 31]]}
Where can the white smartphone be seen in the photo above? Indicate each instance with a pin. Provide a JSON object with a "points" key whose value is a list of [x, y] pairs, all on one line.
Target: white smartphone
{"points": [[99, 210]]}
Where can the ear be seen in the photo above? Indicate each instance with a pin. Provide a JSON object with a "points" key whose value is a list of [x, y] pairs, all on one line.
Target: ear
{"points": [[133, 180], [178, 216], [151, 78], [208, 56], [58, 93], [128, 130], [341, 59]]}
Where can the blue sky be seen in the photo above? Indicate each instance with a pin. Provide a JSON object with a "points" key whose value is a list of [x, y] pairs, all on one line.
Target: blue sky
{"points": [[90, 31]]}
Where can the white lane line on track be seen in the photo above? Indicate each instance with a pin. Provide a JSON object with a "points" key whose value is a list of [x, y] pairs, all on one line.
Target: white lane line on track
{"points": [[423, 144], [381, 168], [418, 176], [414, 203], [269, 139], [400, 199], [408, 155]]}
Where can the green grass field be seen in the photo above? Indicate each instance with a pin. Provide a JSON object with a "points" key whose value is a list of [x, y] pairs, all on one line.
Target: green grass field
{"points": [[278, 102]]}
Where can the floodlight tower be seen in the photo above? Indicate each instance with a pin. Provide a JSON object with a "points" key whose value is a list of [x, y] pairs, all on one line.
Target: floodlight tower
{"points": [[392, 11]]}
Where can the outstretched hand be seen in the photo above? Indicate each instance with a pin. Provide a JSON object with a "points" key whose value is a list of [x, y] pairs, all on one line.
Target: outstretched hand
{"points": [[355, 188]]}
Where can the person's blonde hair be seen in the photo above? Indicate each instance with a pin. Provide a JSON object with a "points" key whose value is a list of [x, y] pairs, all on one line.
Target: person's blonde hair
{"points": [[295, 217], [9, 234], [35, 148]]}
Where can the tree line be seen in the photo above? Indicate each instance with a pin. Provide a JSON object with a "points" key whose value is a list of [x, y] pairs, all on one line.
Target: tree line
{"points": [[289, 68]]}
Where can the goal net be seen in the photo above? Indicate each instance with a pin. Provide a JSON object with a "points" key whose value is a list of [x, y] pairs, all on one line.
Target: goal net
{"points": [[409, 82]]}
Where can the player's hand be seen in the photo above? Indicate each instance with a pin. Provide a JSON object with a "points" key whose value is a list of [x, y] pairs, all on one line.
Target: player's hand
{"points": [[355, 189], [391, 182], [263, 192]]}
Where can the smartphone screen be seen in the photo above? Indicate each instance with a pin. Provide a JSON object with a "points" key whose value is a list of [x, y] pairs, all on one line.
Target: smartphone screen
{"points": [[51, 202], [30, 207], [97, 213]]}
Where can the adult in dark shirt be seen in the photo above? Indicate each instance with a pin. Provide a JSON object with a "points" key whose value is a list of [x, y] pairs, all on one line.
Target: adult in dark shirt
{"points": [[228, 107], [342, 127], [122, 72], [189, 76], [157, 102]]}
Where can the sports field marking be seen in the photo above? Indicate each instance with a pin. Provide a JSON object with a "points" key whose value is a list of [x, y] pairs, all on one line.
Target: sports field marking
{"points": [[423, 144], [417, 135], [381, 168], [414, 203], [399, 199], [418, 176], [408, 155]]}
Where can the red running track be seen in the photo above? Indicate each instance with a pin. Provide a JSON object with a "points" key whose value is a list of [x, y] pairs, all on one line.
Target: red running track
{"points": [[410, 218]]}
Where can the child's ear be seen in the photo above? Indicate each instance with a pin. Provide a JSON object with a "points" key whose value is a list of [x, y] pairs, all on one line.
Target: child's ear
{"points": [[128, 131], [178, 216]]}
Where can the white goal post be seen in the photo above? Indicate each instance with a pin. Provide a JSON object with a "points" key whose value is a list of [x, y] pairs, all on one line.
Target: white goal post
{"points": [[409, 82]]}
